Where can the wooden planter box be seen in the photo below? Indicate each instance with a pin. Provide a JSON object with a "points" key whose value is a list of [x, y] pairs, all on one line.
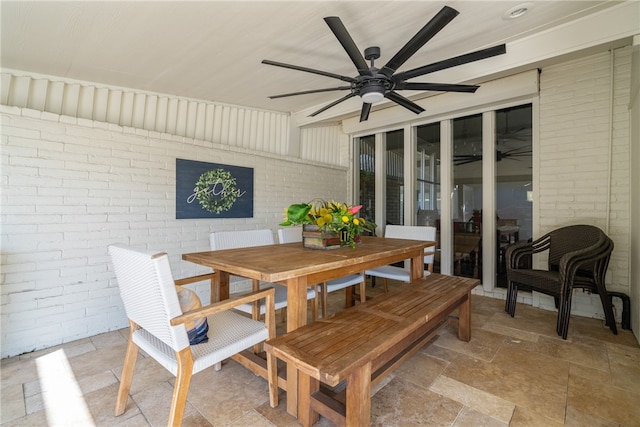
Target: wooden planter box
{"points": [[314, 238]]}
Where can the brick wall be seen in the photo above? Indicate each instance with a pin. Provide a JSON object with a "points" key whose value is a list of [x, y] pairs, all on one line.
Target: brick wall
{"points": [[584, 163], [71, 186]]}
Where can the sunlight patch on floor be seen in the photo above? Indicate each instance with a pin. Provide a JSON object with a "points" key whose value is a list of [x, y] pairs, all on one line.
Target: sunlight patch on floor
{"points": [[61, 393]]}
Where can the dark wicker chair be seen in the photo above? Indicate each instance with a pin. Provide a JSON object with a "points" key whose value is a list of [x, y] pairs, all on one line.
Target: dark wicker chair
{"points": [[578, 258]]}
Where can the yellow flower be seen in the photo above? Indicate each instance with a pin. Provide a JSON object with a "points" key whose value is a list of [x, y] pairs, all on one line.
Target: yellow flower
{"points": [[355, 221], [320, 221], [345, 218], [323, 212], [327, 218]]}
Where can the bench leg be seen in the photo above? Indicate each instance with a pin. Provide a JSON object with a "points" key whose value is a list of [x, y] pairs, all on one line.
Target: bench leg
{"points": [[464, 319], [292, 390], [359, 397], [306, 387]]}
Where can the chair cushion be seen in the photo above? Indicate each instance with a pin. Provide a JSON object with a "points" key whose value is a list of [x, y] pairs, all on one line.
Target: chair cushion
{"points": [[230, 333], [344, 282], [392, 272], [196, 329]]}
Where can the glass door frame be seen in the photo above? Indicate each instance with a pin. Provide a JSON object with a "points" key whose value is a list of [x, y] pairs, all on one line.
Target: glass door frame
{"points": [[489, 240]]}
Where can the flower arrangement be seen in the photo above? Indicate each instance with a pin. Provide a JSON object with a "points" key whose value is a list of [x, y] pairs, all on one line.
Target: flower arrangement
{"points": [[334, 216]]}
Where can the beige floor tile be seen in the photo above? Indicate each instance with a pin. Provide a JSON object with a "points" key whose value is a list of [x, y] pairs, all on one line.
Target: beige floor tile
{"points": [[97, 361], [591, 353], [420, 369], [477, 400], [604, 400], [483, 344], [518, 380], [278, 416], [13, 404], [110, 339], [404, 404], [472, 418], [575, 418], [31, 420], [251, 418], [529, 319], [584, 327], [499, 325], [525, 417], [154, 403], [225, 395], [147, 373]]}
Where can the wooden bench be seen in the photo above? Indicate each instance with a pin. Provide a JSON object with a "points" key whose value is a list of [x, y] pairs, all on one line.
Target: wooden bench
{"points": [[364, 343]]}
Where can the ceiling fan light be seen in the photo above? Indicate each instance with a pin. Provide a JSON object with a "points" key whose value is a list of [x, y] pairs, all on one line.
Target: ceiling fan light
{"points": [[372, 94]]}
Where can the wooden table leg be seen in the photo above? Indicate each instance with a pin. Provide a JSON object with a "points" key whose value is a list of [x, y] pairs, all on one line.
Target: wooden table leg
{"points": [[417, 266], [306, 387], [359, 397], [464, 319], [223, 285], [296, 317]]}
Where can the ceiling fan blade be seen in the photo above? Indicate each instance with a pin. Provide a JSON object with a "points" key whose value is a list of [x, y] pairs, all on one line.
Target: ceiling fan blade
{"points": [[309, 70], [343, 36], [305, 92], [432, 28], [404, 102], [334, 103], [364, 114], [437, 87], [452, 62], [455, 163]]}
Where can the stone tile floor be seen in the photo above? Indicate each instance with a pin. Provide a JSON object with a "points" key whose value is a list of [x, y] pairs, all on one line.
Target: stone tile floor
{"points": [[513, 372]]}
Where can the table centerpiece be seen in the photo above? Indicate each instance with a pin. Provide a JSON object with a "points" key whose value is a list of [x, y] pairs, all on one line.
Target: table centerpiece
{"points": [[328, 225]]}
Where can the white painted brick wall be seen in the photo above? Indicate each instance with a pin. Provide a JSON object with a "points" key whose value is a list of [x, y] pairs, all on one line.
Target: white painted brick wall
{"points": [[71, 187], [574, 160]]}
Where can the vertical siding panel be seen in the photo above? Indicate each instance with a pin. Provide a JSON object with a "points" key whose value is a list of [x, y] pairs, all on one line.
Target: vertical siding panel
{"points": [[240, 127], [126, 111], [253, 126], [137, 110], [150, 112], [233, 127], [70, 99], [19, 91], [5, 84], [181, 121], [38, 94], [162, 111], [100, 102], [55, 96], [217, 125], [190, 119], [209, 122], [224, 126], [85, 102], [113, 106], [201, 110], [172, 115]]}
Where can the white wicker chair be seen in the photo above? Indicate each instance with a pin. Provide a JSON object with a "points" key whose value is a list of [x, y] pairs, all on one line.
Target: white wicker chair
{"points": [[402, 274], [294, 234], [157, 326], [247, 238]]}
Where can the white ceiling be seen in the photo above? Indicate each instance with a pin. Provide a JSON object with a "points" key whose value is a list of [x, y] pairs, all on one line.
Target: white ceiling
{"points": [[212, 50]]}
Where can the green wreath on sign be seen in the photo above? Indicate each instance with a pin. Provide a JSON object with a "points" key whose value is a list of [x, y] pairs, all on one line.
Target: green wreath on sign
{"points": [[216, 190]]}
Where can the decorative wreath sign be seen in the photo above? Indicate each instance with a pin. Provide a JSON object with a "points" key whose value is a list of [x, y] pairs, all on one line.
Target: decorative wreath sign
{"points": [[216, 190]]}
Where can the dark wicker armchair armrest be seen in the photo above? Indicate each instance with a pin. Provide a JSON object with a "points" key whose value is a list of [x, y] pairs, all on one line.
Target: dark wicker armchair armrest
{"points": [[571, 262]]}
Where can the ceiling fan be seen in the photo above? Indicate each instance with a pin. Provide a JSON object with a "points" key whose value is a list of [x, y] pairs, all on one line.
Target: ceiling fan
{"points": [[373, 84], [512, 154]]}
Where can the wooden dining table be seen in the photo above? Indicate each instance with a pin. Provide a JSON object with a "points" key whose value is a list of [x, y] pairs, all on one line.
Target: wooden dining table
{"points": [[298, 267]]}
